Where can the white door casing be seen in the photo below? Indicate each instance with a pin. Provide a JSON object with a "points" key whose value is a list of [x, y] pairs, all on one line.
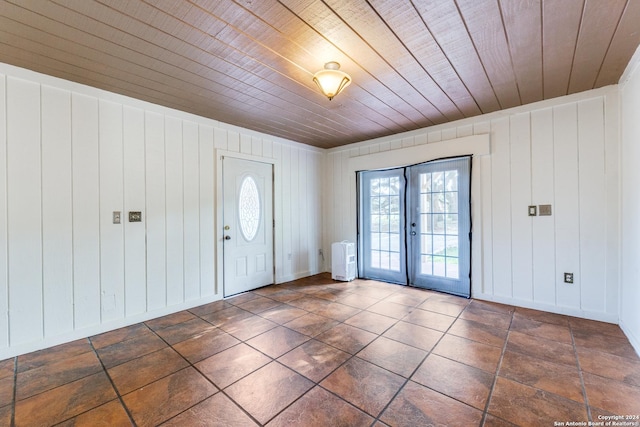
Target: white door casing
{"points": [[247, 224]]}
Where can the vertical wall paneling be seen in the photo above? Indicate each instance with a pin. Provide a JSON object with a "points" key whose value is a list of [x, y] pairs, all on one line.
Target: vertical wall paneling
{"points": [[4, 284], [191, 198], [233, 141], [483, 230], [591, 158], [278, 232], [207, 212], [613, 206], [295, 219], [267, 149], [567, 204], [24, 210], [245, 144], [134, 200], [155, 211], [111, 199], [220, 139], [521, 223], [287, 206], [174, 211], [57, 225], [501, 207], [86, 210], [542, 185], [256, 146]]}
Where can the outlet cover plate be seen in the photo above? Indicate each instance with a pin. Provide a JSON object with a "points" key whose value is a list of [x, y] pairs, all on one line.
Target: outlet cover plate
{"points": [[568, 277], [533, 210], [135, 216], [545, 210]]}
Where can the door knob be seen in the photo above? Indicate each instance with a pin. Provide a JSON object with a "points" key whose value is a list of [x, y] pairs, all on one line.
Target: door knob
{"points": [[227, 237], [413, 233]]}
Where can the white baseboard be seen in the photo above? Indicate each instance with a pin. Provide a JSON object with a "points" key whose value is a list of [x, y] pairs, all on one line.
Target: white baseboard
{"points": [[90, 331], [633, 338]]}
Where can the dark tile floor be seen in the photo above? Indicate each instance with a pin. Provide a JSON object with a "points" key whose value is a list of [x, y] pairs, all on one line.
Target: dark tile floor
{"points": [[315, 352]]}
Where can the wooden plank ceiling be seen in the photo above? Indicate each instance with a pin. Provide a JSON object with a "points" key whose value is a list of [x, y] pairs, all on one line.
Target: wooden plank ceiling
{"points": [[414, 63]]}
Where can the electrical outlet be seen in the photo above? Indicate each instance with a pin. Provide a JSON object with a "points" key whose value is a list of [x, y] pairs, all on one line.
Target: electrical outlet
{"points": [[533, 210], [568, 277], [135, 216]]}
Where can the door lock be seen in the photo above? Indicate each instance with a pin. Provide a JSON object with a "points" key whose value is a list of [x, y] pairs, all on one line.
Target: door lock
{"points": [[227, 237], [413, 224]]}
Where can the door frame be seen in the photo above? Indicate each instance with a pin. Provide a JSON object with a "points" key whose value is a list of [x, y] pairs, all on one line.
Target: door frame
{"points": [[219, 233]]}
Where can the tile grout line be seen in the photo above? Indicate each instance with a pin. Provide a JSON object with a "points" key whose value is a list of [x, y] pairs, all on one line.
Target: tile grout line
{"points": [[495, 377], [115, 389], [580, 375]]}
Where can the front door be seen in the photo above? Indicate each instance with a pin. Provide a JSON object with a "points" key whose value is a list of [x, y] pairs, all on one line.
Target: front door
{"points": [[247, 225]]}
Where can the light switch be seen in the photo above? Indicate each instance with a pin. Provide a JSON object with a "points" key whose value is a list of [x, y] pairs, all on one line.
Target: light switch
{"points": [[116, 217]]}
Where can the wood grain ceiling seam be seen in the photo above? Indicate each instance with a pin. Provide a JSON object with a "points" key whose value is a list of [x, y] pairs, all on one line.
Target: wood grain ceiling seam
{"points": [[475, 47], [312, 28], [506, 36], [575, 50], [419, 63], [604, 57]]}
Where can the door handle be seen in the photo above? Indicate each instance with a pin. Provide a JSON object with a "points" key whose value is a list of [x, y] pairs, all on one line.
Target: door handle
{"points": [[227, 237]]}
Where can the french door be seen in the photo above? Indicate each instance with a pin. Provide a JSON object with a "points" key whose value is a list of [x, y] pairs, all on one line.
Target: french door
{"points": [[415, 224]]}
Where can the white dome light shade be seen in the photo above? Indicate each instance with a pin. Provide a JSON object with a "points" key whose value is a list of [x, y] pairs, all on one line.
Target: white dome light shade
{"points": [[331, 80]]}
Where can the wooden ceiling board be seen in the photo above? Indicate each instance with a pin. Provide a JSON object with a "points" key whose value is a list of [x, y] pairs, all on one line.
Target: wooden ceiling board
{"points": [[410, 29], [235, 85], [250, 63], [601, 19], [561, 22], [523, 26], [443, 19], [484, 24], [624, 42]]}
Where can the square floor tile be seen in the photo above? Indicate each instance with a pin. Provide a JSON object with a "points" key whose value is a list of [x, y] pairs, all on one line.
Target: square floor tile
{"points": [[53, 354], [7, 368], [283, 314], [430, 319], [167, 397], [347, 338], [320, 408], [337, 311], [363, 384], [525, 405], [414, 335], [314, 359], [210, 308], [119, 335], [56, 405], [488, 317], [442, 307], [182, 331], [144, 370], [311, 324], [461, 382], [605, 343], [610, 366], [587, 325], [6, 391], [615, 396], [559, 333], [277, 341], [542, 316], [479, 332], [259, 304], [411, 300], [358, 301], [372, 322], [392, 355], [216, 411], [391, 309], [109, 414], [170, 320], [268, 390], [541, 348], [204, 345], [469, 352], [227, 315], [230, 365], [561, 379], [124, 351], [244, 329], [417, 405], [57, 373]]}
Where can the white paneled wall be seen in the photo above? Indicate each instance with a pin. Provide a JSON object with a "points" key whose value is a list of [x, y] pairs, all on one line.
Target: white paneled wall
{"points": [[70, 155], [630, 149], [562, 152]]}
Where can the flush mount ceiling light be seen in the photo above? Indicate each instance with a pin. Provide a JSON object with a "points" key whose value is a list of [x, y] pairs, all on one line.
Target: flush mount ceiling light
{"points": [[331, 80]]}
